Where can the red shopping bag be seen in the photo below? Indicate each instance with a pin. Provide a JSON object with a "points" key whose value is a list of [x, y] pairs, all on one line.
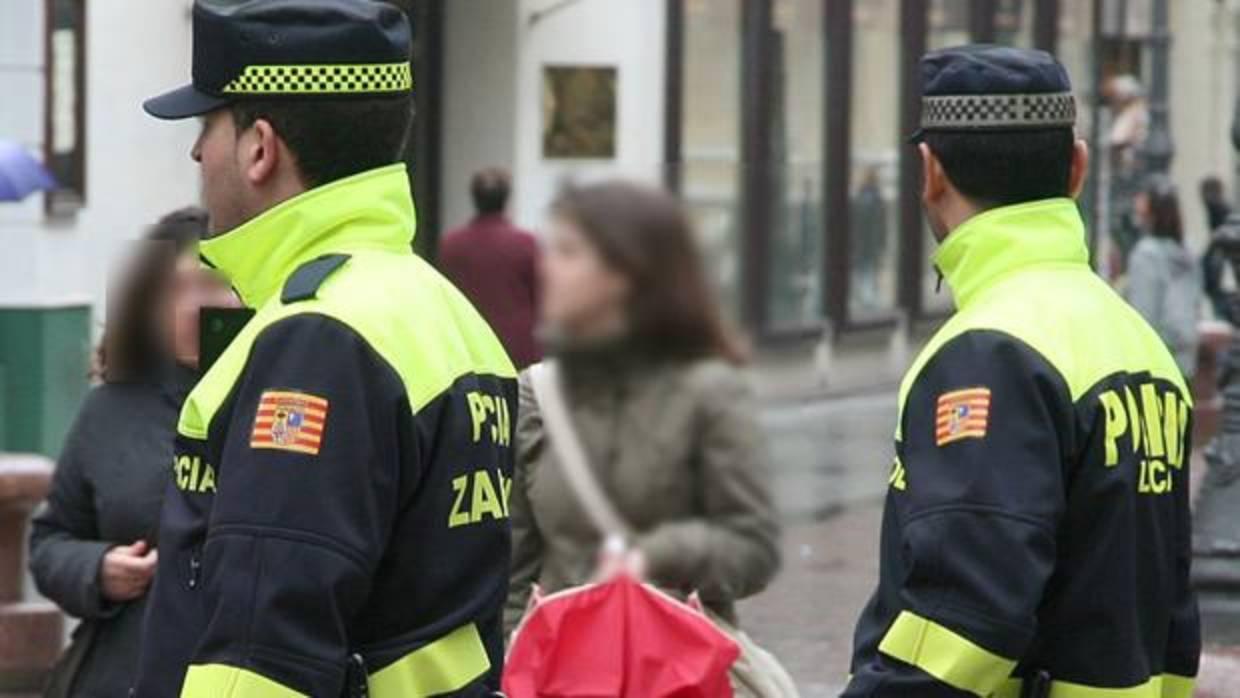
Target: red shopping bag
{"points": [[620, 639]]}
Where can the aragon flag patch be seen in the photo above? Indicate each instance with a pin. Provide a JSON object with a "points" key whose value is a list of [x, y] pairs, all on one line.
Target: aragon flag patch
{"points": [[289, 421], [962, 414]]}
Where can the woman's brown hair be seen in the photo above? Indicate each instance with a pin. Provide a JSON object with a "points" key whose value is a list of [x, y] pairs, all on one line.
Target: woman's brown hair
{"points": [[132, 348], [646, 235]]}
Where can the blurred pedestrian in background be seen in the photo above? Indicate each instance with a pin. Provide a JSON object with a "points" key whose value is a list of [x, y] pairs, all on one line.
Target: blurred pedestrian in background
{"points": [[869, 220], [1215, 201], [1130, 125], [495, 264], [1164, 283], [1214, 262], [1222, 453], [667, 419], [92, 550]]}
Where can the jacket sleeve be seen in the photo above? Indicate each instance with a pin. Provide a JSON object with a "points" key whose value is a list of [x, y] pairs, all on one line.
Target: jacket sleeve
{"points": [[978, 494], [65, 550], [1184, 637], [731, 549], [527, 543], [300, 523]]}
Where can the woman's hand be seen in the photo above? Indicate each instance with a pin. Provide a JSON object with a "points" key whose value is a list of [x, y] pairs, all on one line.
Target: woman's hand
{"points": [[126, 571], [616, 558]]}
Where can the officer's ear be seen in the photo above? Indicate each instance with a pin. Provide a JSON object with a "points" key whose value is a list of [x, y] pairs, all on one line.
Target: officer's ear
{"points": [[934, 182], [1080, 168], [260, 152]]}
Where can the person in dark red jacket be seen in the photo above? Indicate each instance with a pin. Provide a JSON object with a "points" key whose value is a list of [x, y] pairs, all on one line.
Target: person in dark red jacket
{"points": [[495, 264]]}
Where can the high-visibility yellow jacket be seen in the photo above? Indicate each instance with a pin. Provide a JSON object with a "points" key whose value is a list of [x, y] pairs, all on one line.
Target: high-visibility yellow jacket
{"points": [[342, 471], [1037, 518]]}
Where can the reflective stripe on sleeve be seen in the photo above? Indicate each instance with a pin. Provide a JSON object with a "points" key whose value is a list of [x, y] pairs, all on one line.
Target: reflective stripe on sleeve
{"points": [[945, 655], [223, 681], [445, 665], [1164, 686], [1177, 686]]}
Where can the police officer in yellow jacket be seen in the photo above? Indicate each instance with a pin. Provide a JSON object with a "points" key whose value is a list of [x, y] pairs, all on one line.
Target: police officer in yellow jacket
{"points": [[1036, 532], [337, 521]]}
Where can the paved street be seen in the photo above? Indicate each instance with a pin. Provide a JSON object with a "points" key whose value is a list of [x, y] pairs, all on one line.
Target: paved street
{"points": [[831, 459]]}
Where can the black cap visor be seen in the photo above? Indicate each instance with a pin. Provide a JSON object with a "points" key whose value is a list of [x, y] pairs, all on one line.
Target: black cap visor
{"points": [[183, 103]]}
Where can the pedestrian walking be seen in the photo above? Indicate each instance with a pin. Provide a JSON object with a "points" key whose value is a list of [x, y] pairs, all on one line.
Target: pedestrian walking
{"points": [[667, 421], [1164, 283], [1036, 533], [337, 524], [1214, 200], [1214, 507], [1129, 130], [495, 264], [92, 546], [868, 213], [1214, 261]]}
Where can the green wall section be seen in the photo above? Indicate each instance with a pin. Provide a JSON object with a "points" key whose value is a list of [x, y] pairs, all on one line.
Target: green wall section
{"points": [[44, 360]]}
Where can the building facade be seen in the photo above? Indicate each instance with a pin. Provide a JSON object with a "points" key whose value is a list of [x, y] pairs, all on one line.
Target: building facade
{"points": [[72, 77], [782, 123]]}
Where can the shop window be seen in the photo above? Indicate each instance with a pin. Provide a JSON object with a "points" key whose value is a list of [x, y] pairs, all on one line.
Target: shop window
{"points": [[1075, 49], [709, 170], [1014, 22], [65, 104], [947, 25], [797, 225], [875, 143]]}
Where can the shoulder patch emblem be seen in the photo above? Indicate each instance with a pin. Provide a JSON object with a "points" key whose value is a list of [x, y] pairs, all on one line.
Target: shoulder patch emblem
{"points": [[289, 421], [962, 414]]}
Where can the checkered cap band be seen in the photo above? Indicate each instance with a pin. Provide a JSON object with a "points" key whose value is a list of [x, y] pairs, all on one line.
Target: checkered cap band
{"points": [[998, 111], [375, 78]]}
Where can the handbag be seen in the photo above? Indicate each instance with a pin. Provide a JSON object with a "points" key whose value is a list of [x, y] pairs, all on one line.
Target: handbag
{"points": [[69, 666], [757, 673]]}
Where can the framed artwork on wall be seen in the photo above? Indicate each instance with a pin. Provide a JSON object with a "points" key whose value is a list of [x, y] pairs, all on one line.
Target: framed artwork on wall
{"points": [[579, 112]]}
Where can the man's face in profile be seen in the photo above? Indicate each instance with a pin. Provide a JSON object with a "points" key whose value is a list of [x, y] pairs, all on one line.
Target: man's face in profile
{"points": [[218, 152]]}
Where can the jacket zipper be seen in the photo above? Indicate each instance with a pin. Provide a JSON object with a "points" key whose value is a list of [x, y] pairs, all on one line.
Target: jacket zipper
{"points": [[195, 568], [357, 677]]}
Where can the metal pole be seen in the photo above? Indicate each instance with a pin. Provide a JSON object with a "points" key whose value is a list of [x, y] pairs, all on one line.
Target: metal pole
{"points": [[1235, 121], [1159, 148]]}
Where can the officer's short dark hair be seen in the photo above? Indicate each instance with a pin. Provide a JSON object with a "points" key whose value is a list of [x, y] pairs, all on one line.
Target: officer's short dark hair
{"points": [[334, 138], [490, 188], [1002, 168]]}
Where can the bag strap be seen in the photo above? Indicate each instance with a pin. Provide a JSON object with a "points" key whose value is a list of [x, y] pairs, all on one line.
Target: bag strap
{"points": [[569, 451]]}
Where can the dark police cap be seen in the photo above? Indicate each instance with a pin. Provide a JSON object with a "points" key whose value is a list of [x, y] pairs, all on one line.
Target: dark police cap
{"points": [[286, 49], [994, 88]]}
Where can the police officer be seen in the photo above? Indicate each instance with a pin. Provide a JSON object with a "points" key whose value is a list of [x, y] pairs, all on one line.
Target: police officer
{"points": [[337, 521], [1036, 533]]}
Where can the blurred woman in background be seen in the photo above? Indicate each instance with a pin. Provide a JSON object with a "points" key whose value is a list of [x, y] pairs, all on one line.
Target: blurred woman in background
{"points": [[657, 396], [1164, 283], [92, 548]]}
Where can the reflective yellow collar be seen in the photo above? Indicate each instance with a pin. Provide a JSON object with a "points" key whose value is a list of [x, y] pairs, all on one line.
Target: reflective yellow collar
{"points": [[369, 211], [1001, 240]]}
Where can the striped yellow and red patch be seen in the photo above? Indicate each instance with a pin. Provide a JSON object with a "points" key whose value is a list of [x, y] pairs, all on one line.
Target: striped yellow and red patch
{"points": [[962, 414], [289, 421]]}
